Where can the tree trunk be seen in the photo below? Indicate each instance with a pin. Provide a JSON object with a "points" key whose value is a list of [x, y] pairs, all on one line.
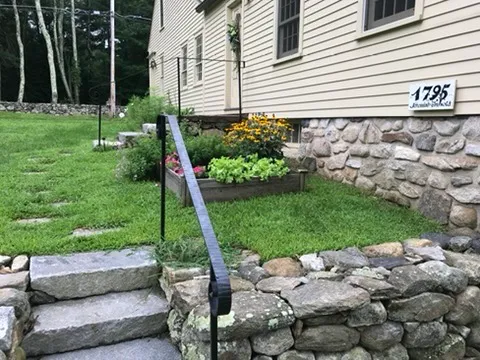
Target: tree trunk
{"points": [[58, 41], [76, 67], [51, 60], [21, 87]]}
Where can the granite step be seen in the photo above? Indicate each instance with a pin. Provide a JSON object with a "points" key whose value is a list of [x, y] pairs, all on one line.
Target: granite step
{"points": [[99, 320], [141, 349], [96, 273]]}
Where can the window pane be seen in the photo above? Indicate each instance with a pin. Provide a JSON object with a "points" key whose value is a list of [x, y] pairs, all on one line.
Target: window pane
{"points": [[378, 10], [400, 6], [389, 8], [410, 4]]}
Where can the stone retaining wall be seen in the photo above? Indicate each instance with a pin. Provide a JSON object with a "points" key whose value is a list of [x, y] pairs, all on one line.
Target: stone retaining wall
{"points": [[54, 109], [395, 301], [427, 164]]}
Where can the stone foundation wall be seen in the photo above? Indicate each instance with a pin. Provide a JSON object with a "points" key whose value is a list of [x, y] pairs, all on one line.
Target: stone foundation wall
{"points": [[395, 301], [54, 109], [427, 164]]}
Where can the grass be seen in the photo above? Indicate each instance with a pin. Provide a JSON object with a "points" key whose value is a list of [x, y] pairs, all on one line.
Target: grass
{"points": [[58, 150]]}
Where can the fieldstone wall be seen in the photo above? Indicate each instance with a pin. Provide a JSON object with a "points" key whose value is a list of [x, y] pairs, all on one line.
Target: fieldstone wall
{"points": [[395, 301], [427, 164], [54, 109]]}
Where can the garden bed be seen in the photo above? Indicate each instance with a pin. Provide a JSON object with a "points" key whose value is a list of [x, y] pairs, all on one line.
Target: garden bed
{"points": [[212, 190]]}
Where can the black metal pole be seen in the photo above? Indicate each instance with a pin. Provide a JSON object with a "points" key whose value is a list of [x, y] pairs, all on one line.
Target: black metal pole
{"points": [[213, 337], [162, 136], [239, 90], [179, 89], [99, 125]]}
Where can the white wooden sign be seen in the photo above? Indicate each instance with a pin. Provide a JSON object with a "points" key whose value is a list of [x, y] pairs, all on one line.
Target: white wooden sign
{"points": [[437, 95]]}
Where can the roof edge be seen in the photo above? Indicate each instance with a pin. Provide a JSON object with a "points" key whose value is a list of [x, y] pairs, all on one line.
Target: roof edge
{"points": [[205, 5]]}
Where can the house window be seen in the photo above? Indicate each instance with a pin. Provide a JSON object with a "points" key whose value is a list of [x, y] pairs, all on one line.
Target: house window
{"points": [[161, 15], [184, 66], [199, 58], [294, 135], [382, 12], [162, 74], [288, 27]]}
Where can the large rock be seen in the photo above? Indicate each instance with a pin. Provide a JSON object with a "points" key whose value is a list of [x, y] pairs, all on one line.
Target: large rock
{"points": [[469, 263], [382, 337], [360, 150], [378, 289], [276, 284], [402, 137], [332, 134], [396, 352], [473, 339], [421, 308], [322, 297], [337, 162], [17, 281], [437, 162], [392, 196], [311, 262], [273, 343], [427, 253], [424, 335], [351, 132], [472, 149], [365, 184], [189, 294], [357, 353], [286, 267], [384, 250], [371, 167], [411, 281], [20, 263], [97, 320], [233, 350], [439, 239], [335, 319], [252, 272], [367, 315], [450, 279], [410, 191], [467, 307], [5, 260], [344, 259], [389, 262], [446, 128], [369, 134], [324, 275], [251, 314], [471, 129], [19, 300], [460, 243], [450, 146], [341, 124], [459, 181], [405, 153], [172, 275], [426, 142], [466, 195], [329, 338], [7, 323], [435, 205], [297, 355], [452, 348], [87, 274], [175, 325], [438, 180], [419, 125], [462, 216], [321, 147], [417, 174]]}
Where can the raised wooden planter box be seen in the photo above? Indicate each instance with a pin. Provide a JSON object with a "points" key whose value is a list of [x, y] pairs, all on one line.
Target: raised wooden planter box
{"points": [[215, 191]]}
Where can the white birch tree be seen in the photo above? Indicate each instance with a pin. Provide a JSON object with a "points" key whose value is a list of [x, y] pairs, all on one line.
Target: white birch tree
{"points": [[76, 66], [58, 41], [21, 56]]}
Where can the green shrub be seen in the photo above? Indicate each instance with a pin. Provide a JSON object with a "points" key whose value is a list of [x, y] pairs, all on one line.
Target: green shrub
{"points": [[140, 162], [202, 149], [239, 170], [146, 109]]}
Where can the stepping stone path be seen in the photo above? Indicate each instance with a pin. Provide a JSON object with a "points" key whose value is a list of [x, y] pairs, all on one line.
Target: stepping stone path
{"points": [[34, 173], [35, 221], [92, 232], [60, 204]]}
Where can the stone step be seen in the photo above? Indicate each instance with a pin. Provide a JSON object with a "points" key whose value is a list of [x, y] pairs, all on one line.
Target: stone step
{"points": [[144, 349], [87, 274], [127, 137], [94, 321]]}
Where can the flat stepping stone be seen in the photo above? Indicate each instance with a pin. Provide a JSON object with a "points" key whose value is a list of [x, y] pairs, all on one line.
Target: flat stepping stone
{"points": [[106, 144], [127, 137], [92, 232], [98, 320], [34, 173], [34, 221], [145, 349], [60, 204], [94, 273]]}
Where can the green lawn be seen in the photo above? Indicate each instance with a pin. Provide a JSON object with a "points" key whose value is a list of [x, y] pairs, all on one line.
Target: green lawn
{"points": [[327, 216]]}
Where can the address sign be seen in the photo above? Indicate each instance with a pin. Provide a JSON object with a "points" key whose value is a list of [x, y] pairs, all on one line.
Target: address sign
{"points": [[439, 95]]}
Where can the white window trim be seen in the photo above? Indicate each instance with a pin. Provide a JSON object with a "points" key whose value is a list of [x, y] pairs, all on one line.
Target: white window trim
{"points": [[299, 53], [161, 9], [183, 87], [362, 18], [161, 60], [195, 78]]}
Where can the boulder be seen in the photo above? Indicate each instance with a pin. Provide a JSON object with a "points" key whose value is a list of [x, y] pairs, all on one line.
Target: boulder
{"points": [[405, 153], [365, 184], [452, 348], [472, 149], [187, 295], [17, 281], [328, 338], [332, 134], [371, 167], [335, 319], [435, 205], [324, 275], [417, 174], [396, 352], [381, 337], [391, 249], [233, 350], [426, 142], [438, 163], [251, 314], [419, 125], [450, 279], [439, 239], [392, 196], [20, 263], [321, 147], [7, 323], [410, 191], [175, 323], [416, 243], [466, 195], [471, 129], [459, 181], [450, 146], [337, 162], [344, 259], [297, 355], [421, 308], [463, 331], [473, 339], [369, 134], [427, 253], [412, 281], [402, 137], [341, 124], [357, 353], [462, 216], [239, 284], [467, 307], [360, 150], [172, 275], [378, 289], [469, 263], [351, 132], [252, 272], [378, 273], [18, 300], [460, 243], [273, 343], [311, 262], [367, 315], [438, 180], [424, 335], [286, 267], [389, 262], [446, 128], [276, 284], [322, 297], [5, 260], [382, 151]]}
